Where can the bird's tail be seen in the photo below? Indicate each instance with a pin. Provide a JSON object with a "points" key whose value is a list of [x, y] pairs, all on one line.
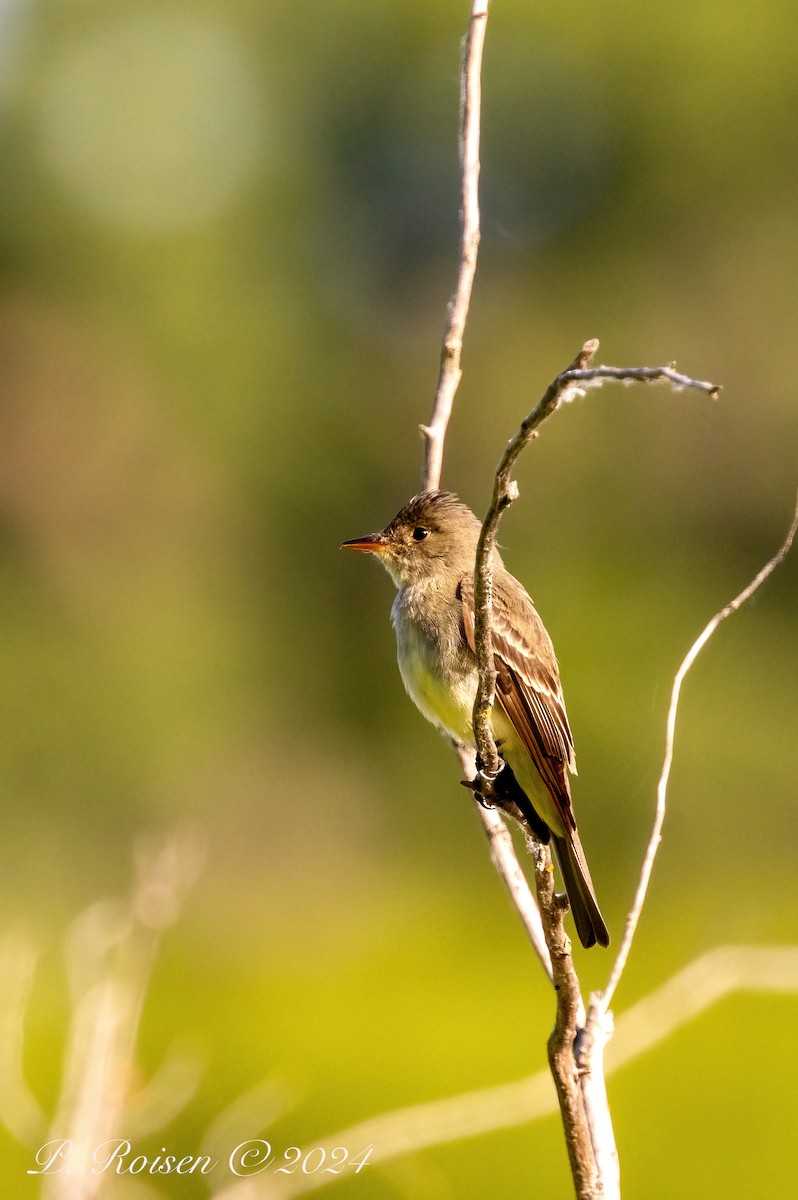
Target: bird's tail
{"points": [[573, 865], [581, 894]]}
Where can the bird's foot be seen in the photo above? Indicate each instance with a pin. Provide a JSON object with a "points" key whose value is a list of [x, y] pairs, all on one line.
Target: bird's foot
{"points": [[485, 772], [483, 784], [476, 786]]}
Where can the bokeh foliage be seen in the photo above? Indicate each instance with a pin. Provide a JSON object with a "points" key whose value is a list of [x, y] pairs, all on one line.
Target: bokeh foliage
{"points": [[228, 239]]}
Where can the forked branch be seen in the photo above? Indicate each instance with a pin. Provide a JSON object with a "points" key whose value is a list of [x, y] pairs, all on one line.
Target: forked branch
{"points": [[580, 1087]]}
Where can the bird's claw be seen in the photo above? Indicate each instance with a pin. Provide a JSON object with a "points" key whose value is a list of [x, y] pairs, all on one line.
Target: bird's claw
{"points": [[486, 774], [473, 786], [482, 785]]}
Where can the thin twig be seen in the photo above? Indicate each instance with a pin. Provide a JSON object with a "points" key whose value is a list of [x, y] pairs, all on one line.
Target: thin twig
{"points": [[505, 860], [504, 492], [449, 375], [588, 1134], [506, 863], [501, 847], [662, 787], [572, 381], [669, 373], [698, 986]]}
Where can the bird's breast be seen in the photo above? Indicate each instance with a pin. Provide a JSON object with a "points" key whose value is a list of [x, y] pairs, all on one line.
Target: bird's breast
{"points": [[437, 669]]}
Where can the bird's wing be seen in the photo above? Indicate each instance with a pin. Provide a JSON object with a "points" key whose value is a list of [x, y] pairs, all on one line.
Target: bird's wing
{"points": [[528, 686]]}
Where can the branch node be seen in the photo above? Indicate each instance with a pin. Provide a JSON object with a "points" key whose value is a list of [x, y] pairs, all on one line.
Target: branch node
{"points": [[507, 497]]}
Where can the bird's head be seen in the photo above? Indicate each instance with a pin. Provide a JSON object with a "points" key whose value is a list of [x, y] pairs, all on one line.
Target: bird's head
{"points": [[434, 531]]}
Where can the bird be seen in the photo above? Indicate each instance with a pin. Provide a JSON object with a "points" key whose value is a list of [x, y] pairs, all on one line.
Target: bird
{"points": [[429, 550]]}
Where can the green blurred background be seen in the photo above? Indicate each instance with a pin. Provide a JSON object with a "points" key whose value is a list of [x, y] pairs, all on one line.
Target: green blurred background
{"points": [[228, 238]]}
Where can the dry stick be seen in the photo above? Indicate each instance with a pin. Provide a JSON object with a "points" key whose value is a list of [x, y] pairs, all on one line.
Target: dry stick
{"points": [[567, 384], [505, 491], [583, 1103], [602, 1002], [501, 847], [502, 852], [702, 983], [434, 434], [581, 1130], [568, 1017], [569, 999], [505, 860], [570, 1011]]}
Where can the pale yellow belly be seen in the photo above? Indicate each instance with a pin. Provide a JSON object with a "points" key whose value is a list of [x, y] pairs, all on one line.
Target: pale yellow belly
{"points": [[449, 708]]}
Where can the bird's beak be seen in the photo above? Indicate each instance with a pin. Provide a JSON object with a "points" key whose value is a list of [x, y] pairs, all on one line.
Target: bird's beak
{"points": [[372, 543]]}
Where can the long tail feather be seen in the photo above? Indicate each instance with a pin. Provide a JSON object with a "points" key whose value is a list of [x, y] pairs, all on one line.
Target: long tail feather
{"points": [[581, 895]]}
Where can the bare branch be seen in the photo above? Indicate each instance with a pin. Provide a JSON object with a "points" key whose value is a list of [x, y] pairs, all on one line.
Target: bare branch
{"points": [[550, 945], [699, 985], [586, 1119], [504, 492], [590, 1048], [506, 863], [570, 382], [503, 856], [598, 375], [449, 375], [569, 1014], [662, 787], [502, 852]]}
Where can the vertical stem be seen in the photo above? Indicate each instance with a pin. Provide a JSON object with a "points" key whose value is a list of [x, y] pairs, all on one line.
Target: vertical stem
{"points": [[457, 312], [562, 1042]]}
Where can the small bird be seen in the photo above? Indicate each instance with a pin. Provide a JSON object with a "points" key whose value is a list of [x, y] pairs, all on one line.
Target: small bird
{"points": [[429, 550]]}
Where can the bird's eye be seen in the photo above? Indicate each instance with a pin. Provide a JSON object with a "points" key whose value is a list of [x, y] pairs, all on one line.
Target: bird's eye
{"points": [[419, 533]]}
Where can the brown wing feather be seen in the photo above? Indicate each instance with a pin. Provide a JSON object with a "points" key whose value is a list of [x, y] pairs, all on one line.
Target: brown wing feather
{"points": [[528, 689]]}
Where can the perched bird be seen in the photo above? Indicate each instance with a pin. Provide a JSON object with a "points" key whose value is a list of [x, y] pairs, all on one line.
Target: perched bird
{"points": [[429, 550]]}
